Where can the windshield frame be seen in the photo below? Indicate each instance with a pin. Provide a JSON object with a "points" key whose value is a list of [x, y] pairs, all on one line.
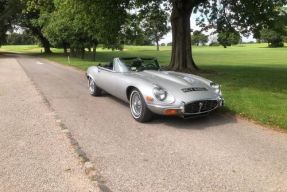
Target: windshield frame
{"points": [[122, 65]]}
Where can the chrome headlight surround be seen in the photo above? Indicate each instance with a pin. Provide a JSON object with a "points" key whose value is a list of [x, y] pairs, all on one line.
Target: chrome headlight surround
{"points": [[159, 93], [217, 87], [214, 85]]}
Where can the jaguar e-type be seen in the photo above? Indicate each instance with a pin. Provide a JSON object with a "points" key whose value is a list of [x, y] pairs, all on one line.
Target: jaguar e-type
{"points": [[150, 90]]}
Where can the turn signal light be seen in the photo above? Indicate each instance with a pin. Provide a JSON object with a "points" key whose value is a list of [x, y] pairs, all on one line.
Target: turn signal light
{"points": [[170, 112], [149, 99]]}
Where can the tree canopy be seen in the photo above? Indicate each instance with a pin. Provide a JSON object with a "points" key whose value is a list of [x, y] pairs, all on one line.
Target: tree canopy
{"points": [[228, 38], [79, 24], [154, 21], [8, 13], [199, 38]]}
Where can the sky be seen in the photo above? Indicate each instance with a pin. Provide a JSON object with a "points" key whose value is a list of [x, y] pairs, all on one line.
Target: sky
{"points": [[168, 38]]}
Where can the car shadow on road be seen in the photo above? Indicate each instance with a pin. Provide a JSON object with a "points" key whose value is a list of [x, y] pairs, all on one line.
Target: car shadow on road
{"points": [[214, 119]]}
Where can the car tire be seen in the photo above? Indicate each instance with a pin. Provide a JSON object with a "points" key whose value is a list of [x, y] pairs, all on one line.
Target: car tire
{"points": [[138, 107], [94, 90]]}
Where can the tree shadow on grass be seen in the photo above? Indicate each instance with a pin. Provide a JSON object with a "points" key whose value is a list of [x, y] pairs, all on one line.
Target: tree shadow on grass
{"points": [[263, 78]]}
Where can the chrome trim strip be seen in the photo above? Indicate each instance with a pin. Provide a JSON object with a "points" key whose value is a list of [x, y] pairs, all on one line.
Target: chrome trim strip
{"points": [[105, 69]]}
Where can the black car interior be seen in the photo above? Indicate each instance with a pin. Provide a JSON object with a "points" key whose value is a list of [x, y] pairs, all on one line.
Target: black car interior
{"points": [[107, 66]]}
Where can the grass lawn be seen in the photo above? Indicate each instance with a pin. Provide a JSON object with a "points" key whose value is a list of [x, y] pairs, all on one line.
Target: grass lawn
{"points": [[253, 77]]}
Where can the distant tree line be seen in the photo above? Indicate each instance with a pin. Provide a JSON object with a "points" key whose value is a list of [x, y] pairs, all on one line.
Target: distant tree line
{"points": [[20, 39], [274, 38], [224, 38]]}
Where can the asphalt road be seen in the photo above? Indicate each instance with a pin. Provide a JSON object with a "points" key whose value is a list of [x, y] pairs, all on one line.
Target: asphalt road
{"points": [[35, 155], [216, 153]]}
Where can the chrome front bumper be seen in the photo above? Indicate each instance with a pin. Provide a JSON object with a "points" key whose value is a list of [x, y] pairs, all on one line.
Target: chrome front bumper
{"points": [[179, 110]]}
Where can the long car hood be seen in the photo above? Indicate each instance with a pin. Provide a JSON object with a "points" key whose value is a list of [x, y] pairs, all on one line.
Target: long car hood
{"points": [[174, 82]]}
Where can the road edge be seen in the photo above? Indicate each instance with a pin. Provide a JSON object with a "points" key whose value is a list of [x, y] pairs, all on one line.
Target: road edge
{"points": [[87, 165]]}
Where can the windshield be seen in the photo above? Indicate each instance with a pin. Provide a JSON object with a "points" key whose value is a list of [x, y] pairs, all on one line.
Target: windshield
{"points": [[140, 64]]}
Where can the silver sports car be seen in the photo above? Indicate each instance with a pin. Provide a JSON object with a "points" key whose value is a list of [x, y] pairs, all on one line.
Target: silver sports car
{"points": [[150, 90]]}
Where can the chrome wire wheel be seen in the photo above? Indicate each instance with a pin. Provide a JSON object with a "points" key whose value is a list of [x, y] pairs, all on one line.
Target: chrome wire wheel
{"points": [[136, 104], [91, 86], [139, 109], [94, 90]]}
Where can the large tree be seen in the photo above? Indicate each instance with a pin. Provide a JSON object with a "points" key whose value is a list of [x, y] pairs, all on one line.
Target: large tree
{"points": [[8, 13], [228, 38], [199, 38], [106, 18], [67, 27], [276, 34], [133, 33], [244, 16], [34, 16], [154, 21], [273, 38]]}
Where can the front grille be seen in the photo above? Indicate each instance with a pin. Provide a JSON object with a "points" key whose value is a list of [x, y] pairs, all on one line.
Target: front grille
{"points": [[201, 106]]}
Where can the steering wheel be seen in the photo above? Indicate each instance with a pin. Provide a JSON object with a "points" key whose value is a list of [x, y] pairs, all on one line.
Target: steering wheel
{"points": [[150, 65], [137, 63]]}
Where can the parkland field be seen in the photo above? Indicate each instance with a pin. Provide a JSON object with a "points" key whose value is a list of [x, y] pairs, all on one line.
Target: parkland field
{"points": [[253, 77]]}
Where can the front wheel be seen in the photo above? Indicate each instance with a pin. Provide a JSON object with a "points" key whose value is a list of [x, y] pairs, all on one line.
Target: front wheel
{"points": [[93, 88], [138, 107]]}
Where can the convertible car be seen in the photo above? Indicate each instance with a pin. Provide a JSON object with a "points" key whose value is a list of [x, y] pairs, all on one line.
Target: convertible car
{"points": [[150, 90]]}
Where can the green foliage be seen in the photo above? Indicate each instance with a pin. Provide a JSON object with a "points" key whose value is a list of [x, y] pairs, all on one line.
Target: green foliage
{"points": [[227, 38], [276, 35], [214, 44], [273, 38], [199, 38], [8, 13], [35, 16], [154, 22], [80, 24], [242, 16], [67, 28], [20, 39], [133, 34]]}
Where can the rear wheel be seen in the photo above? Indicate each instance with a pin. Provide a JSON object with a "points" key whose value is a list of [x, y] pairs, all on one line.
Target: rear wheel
{"points": [[138, 107], [93, 88]]}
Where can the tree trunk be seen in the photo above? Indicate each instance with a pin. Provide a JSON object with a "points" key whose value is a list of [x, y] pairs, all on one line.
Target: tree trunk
{"points": [[65, 46], [72, 49], [82, 50], [78, 52], [94, 51], [157, 45], [181, 57], [45, 43]]}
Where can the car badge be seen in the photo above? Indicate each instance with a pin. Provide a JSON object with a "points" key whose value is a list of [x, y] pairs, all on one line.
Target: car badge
{"points": [[186, 90], [200, 106]]}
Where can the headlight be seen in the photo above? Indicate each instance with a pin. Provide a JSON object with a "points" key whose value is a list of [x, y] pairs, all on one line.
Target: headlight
{"points": [[214, 85], [160, 93], [217, 87]]}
